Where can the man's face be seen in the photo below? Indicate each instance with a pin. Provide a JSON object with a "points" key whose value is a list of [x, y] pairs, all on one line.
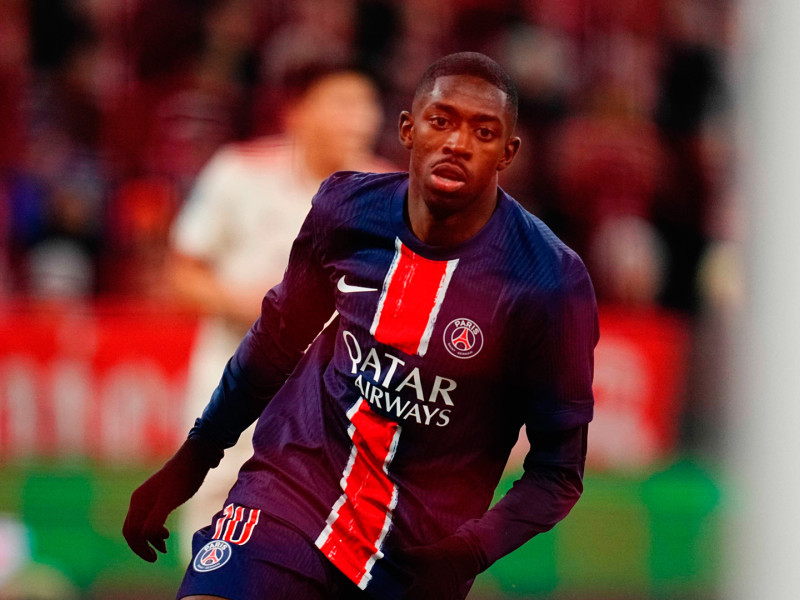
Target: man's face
{"points": [[459, 135]]}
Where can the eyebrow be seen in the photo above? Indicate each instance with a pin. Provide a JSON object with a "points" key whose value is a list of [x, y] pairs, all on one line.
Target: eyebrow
{"points": [[480, 118]]}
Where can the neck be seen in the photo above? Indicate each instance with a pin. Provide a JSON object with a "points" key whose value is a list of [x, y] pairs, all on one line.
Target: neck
{"points": [[433, 223]]}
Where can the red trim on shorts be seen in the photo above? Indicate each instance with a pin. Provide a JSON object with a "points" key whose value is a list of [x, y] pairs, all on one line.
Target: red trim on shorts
{"points": [[236, 518]]}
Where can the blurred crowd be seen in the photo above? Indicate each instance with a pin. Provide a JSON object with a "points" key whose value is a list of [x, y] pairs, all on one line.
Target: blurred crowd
{"points": [[109, 109]]}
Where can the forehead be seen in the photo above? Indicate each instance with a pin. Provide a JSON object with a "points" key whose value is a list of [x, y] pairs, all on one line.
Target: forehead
{"points": [[467, 94]]}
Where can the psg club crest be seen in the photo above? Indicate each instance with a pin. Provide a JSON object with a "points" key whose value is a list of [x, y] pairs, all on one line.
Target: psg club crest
{"points": [[463, 338], [212, 556]]}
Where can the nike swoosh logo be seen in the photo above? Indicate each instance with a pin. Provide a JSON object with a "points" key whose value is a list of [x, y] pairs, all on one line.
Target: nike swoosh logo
{"points": [[346, 288]]}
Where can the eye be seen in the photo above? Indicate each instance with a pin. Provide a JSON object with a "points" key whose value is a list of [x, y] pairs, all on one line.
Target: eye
{"points": [[438, 122], [485, 134]]}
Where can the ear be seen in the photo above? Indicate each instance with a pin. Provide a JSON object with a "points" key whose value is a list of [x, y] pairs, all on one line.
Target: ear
{"points": [[509, 152], [406, 129]]}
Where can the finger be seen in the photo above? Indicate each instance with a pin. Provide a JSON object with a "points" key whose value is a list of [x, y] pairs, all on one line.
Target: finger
{"points": [[132, 532], [158, 540], [153, 527], [140, 547], [147, 553], [154, 530], [159, 545]]}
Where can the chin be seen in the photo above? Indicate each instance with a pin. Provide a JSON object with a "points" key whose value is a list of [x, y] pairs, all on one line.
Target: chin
{"points": [[442, 205]]}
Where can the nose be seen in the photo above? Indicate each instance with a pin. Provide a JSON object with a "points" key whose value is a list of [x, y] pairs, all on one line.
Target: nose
{"points": [[459, 142]]}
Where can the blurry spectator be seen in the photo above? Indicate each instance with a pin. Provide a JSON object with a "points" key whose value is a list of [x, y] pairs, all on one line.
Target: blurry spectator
{"points": [[184, 130], [188, 88], [187, 128], [6, 275], [544, 64], [628, 260], [62, 264], [55, 185], [309, 26], [607, 170], [184, 103], [57, 199], [139, 219], [14, 58], [232, 238], [691, 90], [376, 35], [64, 46]]}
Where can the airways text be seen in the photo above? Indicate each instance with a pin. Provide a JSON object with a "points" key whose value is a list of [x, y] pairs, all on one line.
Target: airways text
{"points": [[396, 391]]}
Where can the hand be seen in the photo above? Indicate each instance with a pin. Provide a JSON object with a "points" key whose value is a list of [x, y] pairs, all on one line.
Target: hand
{"points": [[163, 492], [439, 571]]}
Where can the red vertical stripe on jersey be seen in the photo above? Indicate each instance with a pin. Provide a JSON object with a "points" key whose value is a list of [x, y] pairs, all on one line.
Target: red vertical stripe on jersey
{"points": [[410, 300], [360, 519]]}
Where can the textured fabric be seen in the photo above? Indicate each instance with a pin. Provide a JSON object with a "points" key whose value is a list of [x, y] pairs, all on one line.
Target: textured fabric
{"points": [[382, 437], [259, 558]]}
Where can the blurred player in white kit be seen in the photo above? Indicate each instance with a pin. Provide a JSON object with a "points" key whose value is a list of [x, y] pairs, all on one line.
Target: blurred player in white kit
{"points": [[231, 240]]}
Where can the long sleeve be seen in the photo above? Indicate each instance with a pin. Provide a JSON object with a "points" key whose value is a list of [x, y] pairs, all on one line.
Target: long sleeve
{"points": [[548, 489], [557, 377], [292, 314]]}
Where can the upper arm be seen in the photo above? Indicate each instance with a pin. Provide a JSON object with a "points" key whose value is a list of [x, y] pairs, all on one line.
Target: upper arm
{"points": [[294, 311], [560, 448], [557, 368]]}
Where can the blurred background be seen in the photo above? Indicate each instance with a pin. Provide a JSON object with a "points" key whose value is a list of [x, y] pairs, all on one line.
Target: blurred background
{"points": [[110, 110]]}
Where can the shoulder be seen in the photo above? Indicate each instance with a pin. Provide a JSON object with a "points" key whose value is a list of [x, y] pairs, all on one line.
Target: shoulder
{"points": [[546, 279], [354, 188], [544, 257], [349, 203], [552, 291]]}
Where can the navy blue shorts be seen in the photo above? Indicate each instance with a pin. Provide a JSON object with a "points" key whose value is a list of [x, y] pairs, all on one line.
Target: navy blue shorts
{"points": [[247, 555]]}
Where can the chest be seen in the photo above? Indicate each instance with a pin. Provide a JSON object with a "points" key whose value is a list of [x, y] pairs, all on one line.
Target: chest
{"points": [[423, 340]]}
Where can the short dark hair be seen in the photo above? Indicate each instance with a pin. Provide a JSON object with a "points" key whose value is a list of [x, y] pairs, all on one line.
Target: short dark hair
{"points": [[477, 65]]}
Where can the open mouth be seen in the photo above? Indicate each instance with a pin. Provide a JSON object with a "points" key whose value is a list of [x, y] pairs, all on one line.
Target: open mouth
{"points": [[448, 177]]}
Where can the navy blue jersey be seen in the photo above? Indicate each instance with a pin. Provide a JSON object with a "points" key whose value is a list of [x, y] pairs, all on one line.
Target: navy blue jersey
{"points": [[392, 427]]}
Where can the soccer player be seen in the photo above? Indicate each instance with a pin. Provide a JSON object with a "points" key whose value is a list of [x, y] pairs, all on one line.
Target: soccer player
{"points": [[380, 440]]}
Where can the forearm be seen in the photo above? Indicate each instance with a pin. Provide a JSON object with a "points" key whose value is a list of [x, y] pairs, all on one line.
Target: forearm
{"points": [[256, 371], [292, 314], [542, 497], [234, 406], [548, 489], [536, 503]]}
